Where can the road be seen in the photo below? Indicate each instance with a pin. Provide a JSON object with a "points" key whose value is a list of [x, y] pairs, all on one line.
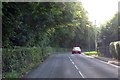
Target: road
{"points": [[67, 65]]}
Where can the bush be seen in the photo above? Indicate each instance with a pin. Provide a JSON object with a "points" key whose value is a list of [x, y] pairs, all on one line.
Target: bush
{"points": [[118, 49], [114, 49]]}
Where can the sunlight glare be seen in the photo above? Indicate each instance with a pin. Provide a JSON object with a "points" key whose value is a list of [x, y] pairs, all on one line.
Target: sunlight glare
{"points": [[100, 10]]}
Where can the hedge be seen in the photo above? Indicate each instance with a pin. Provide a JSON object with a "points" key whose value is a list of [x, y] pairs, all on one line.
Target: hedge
{"points": [[114, 49], [14, 60], [17, 61]]}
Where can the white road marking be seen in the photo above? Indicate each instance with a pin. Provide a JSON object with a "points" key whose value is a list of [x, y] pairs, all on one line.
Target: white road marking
{"points": [[76, 68], [114, 65], [110, 64], [81, 74], [73, 63], [70, 59], [103, 61]]}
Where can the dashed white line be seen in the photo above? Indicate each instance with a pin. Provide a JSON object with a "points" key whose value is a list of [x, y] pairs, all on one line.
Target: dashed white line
{"points": [[73, 63], [81, 74], [77, 68], [70, 59]]}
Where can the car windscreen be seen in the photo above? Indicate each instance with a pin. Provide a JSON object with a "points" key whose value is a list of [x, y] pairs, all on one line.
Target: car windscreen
{"points": [[76, 48]]}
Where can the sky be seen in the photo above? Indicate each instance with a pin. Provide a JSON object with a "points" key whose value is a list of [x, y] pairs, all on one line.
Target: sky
{"points": [[100, 10]]}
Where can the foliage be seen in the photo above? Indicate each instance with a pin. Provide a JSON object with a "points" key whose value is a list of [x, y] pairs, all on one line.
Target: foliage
{"points": [[118, 50], [109, 31], [114, 48], [15, 59], [19, 60], [43, 24]]}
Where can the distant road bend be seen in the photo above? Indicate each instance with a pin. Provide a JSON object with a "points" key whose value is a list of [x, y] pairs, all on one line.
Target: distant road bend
{"points": [[67, 65]]}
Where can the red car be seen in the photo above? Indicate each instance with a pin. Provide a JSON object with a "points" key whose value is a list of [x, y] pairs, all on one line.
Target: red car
{"points": [[76, 50]]}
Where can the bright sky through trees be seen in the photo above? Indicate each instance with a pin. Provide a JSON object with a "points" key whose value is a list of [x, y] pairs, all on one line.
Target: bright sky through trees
{"points": [[100, 10]]}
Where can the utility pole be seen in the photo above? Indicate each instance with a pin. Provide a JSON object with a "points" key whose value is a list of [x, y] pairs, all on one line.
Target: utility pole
{"points": [[95, 37], [88, 38], [118, 20], [89, 42]]}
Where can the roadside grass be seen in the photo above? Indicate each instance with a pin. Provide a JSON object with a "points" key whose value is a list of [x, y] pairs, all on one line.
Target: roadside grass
{"points": [[91, 53]]}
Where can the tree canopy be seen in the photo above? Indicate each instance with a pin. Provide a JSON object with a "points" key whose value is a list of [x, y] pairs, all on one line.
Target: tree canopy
{"points": [[109, 31], [56, 24]]}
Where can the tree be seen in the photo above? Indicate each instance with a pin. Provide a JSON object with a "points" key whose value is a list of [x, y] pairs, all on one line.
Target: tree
{"points": [[109, 31], [61, 24]]}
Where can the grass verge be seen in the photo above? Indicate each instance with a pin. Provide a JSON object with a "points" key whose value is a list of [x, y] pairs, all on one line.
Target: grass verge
{"points": [[91, 53]]}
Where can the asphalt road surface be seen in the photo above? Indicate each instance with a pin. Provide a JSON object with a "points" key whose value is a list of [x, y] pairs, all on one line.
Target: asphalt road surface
{"points": [[67, 65]]}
